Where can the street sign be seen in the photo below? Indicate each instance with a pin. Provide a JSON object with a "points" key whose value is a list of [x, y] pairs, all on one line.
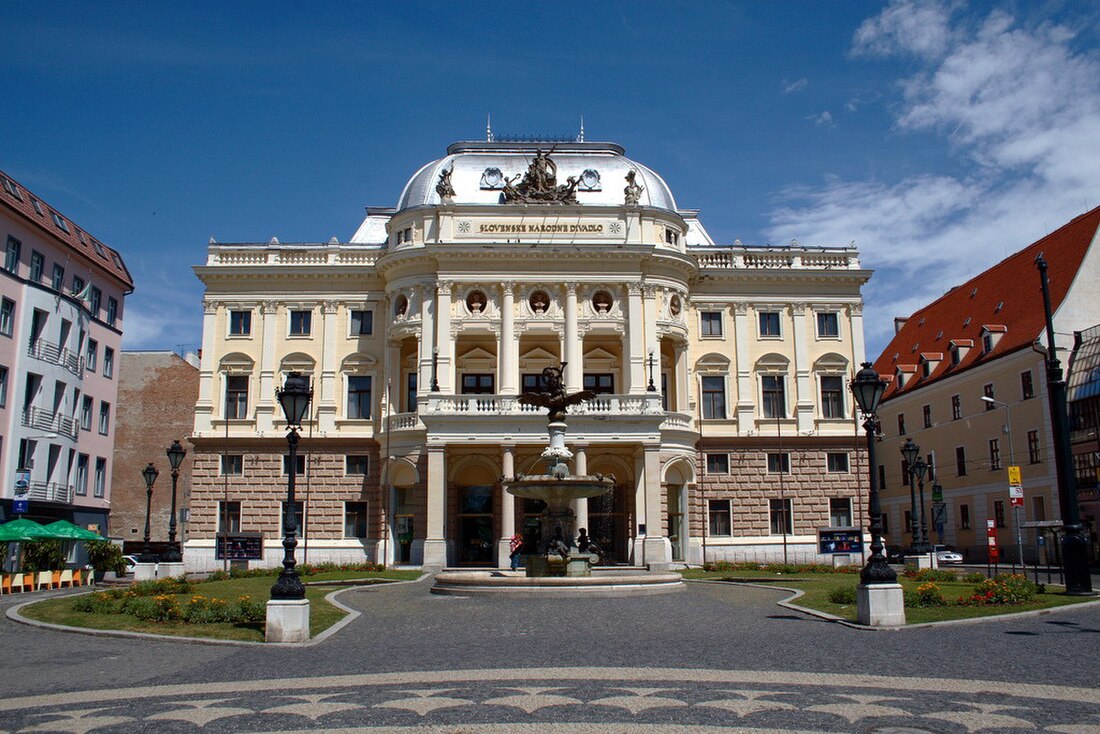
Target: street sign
{"points": [[937, 493], [20, 506], [1016, 494], [939, 514], [1014, 475], [22, 482]]}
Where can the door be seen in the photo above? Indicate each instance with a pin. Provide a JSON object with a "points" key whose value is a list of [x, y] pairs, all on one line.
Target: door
{"points": [[476, 544], [676, 521]]}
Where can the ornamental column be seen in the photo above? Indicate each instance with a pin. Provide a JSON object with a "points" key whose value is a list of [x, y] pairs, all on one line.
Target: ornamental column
{"points": [[326, 406], [636, 352], [508, 349], [746, 404], [444, 372], [265, 399], [573, 351], [656, 549], [435, 542], [804, 405], [680, 372], [507, 507], [204, 408], [426, 304], [649, 293], [580, 507]]}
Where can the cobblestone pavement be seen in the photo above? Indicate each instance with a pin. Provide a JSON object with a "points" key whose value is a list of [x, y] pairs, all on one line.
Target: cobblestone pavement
{"points": [[714, 656]]}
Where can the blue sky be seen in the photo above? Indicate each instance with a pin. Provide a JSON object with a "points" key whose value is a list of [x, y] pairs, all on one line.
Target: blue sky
{"points": [[939, 136]]}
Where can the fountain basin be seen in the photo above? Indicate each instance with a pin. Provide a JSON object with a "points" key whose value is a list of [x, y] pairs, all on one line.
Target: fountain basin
{"points": [[602, 583], [557, 492]]}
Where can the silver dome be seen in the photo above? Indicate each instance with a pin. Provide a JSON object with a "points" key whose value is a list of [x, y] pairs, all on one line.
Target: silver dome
{"points": [[480, 167]]}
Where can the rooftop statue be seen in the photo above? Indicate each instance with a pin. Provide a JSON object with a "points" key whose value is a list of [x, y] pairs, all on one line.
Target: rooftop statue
{"points": [[444, 188], [633, 191], [540, 184], [552, 394]]}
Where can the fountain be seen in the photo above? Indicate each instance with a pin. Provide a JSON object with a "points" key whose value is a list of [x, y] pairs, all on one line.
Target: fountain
{"points": [[560, 567]]}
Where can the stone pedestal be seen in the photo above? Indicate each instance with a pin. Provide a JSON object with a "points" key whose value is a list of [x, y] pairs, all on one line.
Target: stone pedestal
{"points": [[435, 554], [921, 560], [880, 605], [841, 559], [169, 570], [287, 620], [504, 552], [145, 571]]}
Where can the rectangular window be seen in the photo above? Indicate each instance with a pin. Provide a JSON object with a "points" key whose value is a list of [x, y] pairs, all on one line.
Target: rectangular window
{"points": [[478, 384], [779, 463], [236, 396], [7, 316], [836, 462], [533, 382], [410, 392], [987, 391], [94, 299], [11, 188], [3, 387], [718, 512], [885, 520], [901, 424], [112, 310], [59, 221], [38, 264], [240, 323], [92, 357], [601, 384], [86, 413], [355, 519], [100, 476], [1027, 388], [58, 280], [104, 417], [108, 362], [299, 518], [994, 453], [782, 523], [960, 461], [359, 397], [999, 513], [840, 512], [232, 465], [1033, 452], [78, 284], [82, 474], [301, 323], [710, 323], [906, 476], [356, 465], [926, 412], [775, 397], [907, 523], [769, 323], [299, 460], [714, 397], [229, 517], [828, 325], [718, 463], [956, 408], [882, 476], [832, 396], [362, 323], [964, 517], [11, 257]]}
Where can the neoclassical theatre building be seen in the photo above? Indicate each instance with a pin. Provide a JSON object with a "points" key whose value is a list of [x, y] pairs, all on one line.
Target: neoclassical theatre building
{"points": [[721, 372]]}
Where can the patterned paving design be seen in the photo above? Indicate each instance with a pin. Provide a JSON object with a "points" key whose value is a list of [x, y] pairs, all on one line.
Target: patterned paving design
{"points": [[576, 700]]}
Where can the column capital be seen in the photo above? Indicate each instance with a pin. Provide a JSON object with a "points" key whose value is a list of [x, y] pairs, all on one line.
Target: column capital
{"points": [[856, 308], [571, 287], [267, 307], [634, 289], [508, 287], [740, 308], [444, 287], [798, 308], [649, 290], [209, 307], [329, 307]]}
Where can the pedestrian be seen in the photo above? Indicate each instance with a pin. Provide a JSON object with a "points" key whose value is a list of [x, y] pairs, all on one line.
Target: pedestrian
{"points": [[515, 545]]}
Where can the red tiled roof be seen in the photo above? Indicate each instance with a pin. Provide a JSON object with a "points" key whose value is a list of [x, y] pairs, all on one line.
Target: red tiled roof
{"points": [[1006, 298], [23, 205]]}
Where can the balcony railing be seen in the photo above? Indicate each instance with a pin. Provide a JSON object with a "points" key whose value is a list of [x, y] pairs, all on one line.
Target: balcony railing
{"points": [[42, 420], [601, 405], [47, 351], [50, 492]]}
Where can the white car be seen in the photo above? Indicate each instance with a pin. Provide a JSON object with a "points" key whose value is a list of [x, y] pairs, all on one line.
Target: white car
{"points": [[947, 555]]}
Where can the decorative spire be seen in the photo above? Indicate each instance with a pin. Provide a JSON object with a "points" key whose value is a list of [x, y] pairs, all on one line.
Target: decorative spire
{"points": [[488, 128], [580, 137]]}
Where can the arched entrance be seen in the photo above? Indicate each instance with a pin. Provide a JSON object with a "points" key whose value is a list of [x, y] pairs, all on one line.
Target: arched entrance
{"points": [[678, 473], [611, 516]]}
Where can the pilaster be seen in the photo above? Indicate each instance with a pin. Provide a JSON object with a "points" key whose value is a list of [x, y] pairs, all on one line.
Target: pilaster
{"points": [[635, 328], [204, 408], [443, 339], [326, 406], [507, 507], [508, 348], [265, 398], [804, 406], [746, 392], [572, 347], [435, 543]]}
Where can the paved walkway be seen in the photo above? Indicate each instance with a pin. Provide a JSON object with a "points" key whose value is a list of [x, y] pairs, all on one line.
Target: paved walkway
{"points": [[713, 656]]}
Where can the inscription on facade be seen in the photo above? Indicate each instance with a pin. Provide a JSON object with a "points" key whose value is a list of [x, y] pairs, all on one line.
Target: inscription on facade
{"points": [[467, 228]]}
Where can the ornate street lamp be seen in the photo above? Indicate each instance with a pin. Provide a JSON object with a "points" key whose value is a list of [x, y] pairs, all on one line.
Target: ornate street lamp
{"points": [[868, 387], [294, 399], [1075, 547], [150, 473], [175, 452], [651, 387], [920, 470], [910, 451], [435, 370]]}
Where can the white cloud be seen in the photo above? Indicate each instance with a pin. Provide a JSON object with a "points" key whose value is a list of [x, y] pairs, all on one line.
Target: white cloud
{"points": [[795, 86], [1021, 111], [823, 119]]}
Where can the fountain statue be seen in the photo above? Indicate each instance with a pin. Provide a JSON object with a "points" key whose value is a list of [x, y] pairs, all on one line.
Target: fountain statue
{"points": [[558, 551]]}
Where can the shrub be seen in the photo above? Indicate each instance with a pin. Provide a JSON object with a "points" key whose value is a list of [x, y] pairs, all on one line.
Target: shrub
{"points": [[1003, 589], [974, 577], [161, 586], [929, 595], [251, 611], [42, 555], [104, 556], [843, 595], [777, 568], [98, 603], [930, 574]]}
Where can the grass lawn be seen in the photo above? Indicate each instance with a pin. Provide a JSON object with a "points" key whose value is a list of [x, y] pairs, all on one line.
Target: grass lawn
{"points": [[322, 615], [816, 589]]}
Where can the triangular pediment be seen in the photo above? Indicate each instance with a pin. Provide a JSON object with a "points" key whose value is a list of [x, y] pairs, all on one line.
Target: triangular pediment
{"points": [[538, 358]]}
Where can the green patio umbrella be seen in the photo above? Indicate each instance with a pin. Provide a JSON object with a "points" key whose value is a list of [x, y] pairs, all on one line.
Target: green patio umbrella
{"points": [[28, 529], [65, 530], [11, 535]]}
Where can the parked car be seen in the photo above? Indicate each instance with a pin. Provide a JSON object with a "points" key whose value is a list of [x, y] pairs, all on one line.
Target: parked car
{"points": [[946, 554], [895, 554], [131, 561]]}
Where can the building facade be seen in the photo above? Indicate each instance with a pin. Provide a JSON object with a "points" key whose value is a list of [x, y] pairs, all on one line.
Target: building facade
{"points": [[60, 335], [968, 385], [722, 408], [1084, 412], [157, 391]]}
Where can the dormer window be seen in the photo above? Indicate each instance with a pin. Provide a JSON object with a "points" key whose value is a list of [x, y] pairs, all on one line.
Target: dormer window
{"points": [[903, 372], [959, 349], [11, 188], [929, 361], [991, 334], [61, 224]]}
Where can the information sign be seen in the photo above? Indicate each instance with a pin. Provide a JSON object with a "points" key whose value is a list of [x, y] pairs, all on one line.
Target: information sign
{"points": [[20, 506], [991, 535], [839, 540], [1014, 475], [939, 514], [1016, 494], [241, 547]]}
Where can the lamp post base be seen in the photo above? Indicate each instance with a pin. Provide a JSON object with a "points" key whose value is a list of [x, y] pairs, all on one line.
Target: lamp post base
{"points": [[145, 571], [287, 620], [921, 561], [880, 605], [169, 569]]}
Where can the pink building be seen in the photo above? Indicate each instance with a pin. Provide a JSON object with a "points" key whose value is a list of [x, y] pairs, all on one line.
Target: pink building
{"points": [[61, 316]]}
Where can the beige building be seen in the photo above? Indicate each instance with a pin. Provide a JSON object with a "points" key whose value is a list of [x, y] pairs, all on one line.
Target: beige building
{"points": [[717, 367], [968, 385]]}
